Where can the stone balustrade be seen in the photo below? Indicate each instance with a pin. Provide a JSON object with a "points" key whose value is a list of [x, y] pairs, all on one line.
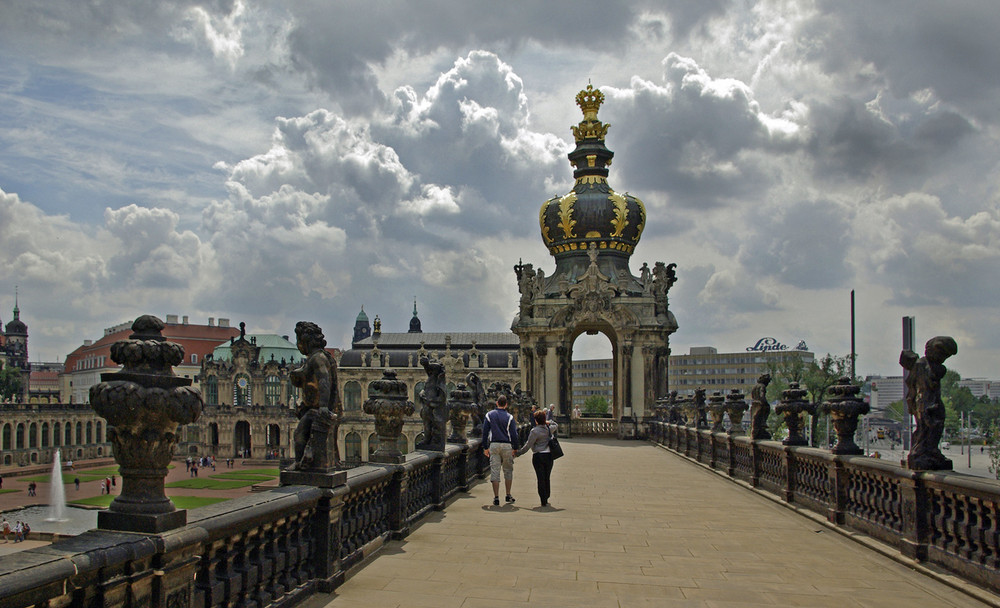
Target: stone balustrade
{"points": [[943, 518], [270, 548], [593, 426]]}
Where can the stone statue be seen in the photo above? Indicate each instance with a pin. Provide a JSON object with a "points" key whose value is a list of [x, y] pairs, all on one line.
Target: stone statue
{"points": [[923, 401], [320, 410], [479, 398], [760, 409], [698, 407], [646, 279], [434, 402]]}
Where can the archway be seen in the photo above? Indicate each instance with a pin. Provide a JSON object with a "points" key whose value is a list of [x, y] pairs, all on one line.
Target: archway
{"points": [[241, 440], [213, 431], [593, 376], [352, 448]]}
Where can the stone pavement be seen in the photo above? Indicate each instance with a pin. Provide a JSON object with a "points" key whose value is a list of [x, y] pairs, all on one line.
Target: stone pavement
{"points": [[631, 526]]}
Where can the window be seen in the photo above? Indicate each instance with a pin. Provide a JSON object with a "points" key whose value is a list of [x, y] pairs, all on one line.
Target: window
{"points": [[194, 358], [272, 390], [212, 390], [242, 393], [352, 397]]}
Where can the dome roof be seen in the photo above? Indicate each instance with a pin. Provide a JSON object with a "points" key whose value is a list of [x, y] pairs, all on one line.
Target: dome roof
{"points": [[362, 316], [592, 212], [16, 327]]}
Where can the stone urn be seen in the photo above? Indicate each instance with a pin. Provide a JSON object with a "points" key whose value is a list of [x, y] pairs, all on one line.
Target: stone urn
{"points": [[717, 411], [388, 403], [736, 406], [844, 408], [143, 405], [793, 403], [460, 408]]}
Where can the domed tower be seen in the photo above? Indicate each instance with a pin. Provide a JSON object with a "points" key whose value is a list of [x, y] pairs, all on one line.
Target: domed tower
{"points": [[592, 212], [362, 328], [16, 340], [415, 321], [592, 232]]}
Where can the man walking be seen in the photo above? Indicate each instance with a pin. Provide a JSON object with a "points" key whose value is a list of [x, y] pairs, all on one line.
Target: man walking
{"points": [[499, 442]]}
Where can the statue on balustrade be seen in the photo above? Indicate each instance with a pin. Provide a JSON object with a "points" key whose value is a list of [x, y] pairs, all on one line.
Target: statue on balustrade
{"points": [[923, 401], [478, 391], [699, 408], [434, 402], [320, 410], [760, 409]]}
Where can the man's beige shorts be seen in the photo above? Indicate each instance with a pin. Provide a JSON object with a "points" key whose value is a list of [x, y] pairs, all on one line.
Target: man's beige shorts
{"points": [[501, 457]]}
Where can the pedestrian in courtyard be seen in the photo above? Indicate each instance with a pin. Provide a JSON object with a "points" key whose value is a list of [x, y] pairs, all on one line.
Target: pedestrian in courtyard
{"points": [[1, 482], [18, 531], [499, 442], [550, 414], [541, 456], [76, 481], [31, 488], [6, 529]]}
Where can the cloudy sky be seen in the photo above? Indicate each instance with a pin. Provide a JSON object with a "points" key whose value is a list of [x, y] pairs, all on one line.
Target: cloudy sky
{"points": [[271, 162]]}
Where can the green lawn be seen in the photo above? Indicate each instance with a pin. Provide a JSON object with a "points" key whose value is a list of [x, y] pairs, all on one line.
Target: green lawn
{"points": [[6, 491], [181, 502]]}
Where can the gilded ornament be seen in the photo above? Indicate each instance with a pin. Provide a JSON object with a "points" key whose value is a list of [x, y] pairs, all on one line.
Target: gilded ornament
{"points": [[642, 218], [541, 221], [566, 221], [621, 213]]}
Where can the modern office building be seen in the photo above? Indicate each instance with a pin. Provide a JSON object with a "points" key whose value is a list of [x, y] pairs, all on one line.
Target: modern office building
{"points": [[592, 377], [705, 367]]}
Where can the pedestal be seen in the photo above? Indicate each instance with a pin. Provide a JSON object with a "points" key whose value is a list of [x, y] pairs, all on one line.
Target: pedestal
{"points": [[144, 523], [319, 479]]}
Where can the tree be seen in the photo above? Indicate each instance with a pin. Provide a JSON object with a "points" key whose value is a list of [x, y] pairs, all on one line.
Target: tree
{"points": [[595, 404], [816, 377], [11, 383]]}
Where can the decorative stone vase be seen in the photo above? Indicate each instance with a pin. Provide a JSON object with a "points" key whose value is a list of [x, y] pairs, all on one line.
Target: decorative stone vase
{"points": [[717, 410], [791, 406], [844, 408], [143, 405], [736, 406], [388, 403], [460, 408]]}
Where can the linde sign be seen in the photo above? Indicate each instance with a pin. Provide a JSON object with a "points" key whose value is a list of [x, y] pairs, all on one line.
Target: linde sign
{"points": [[767, 344]]}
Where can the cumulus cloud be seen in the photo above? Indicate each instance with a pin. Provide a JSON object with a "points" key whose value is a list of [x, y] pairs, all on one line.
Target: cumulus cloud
{"points": [[691, 136], [912, 238]]}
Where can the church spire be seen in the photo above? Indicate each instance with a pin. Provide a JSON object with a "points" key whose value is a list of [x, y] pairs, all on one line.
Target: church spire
{"points": [[415, 321]]}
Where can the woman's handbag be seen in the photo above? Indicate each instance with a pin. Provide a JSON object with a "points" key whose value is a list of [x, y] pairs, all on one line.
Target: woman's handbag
{"points": [[554, 448]]}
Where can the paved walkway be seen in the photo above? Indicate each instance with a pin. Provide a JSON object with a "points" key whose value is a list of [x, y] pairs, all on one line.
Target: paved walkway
{"points": [[632, 526]]}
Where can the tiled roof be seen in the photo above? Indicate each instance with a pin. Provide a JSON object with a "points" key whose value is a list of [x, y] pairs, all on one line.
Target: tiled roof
{"points": [[199, 340]]}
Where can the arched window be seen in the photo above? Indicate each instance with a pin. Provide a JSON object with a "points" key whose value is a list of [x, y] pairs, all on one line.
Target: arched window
{"points": [[20, 437], [416, 390], [33, 435], [98, 437], [69, 434], [242, 393], [272, 390], [90, 433], [352, 447], [418, 439], [79, 433], [372, 445], [211, 390], [45, 434], [6, 436], [352, 397], [56, 435]]}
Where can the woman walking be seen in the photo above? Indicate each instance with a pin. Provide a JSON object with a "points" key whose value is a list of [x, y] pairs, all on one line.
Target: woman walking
{"points": [[541, 457]]}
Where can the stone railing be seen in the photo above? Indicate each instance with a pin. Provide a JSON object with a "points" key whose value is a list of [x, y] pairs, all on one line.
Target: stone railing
{"points": [[593, 426], [944, 518], [269, 548]]}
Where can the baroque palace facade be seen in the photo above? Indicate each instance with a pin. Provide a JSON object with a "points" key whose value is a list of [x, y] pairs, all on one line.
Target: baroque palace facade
{"points": [[492, 355]]}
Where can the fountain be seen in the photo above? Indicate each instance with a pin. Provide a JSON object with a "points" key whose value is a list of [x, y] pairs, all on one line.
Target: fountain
{"points": [[57, 493]]}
